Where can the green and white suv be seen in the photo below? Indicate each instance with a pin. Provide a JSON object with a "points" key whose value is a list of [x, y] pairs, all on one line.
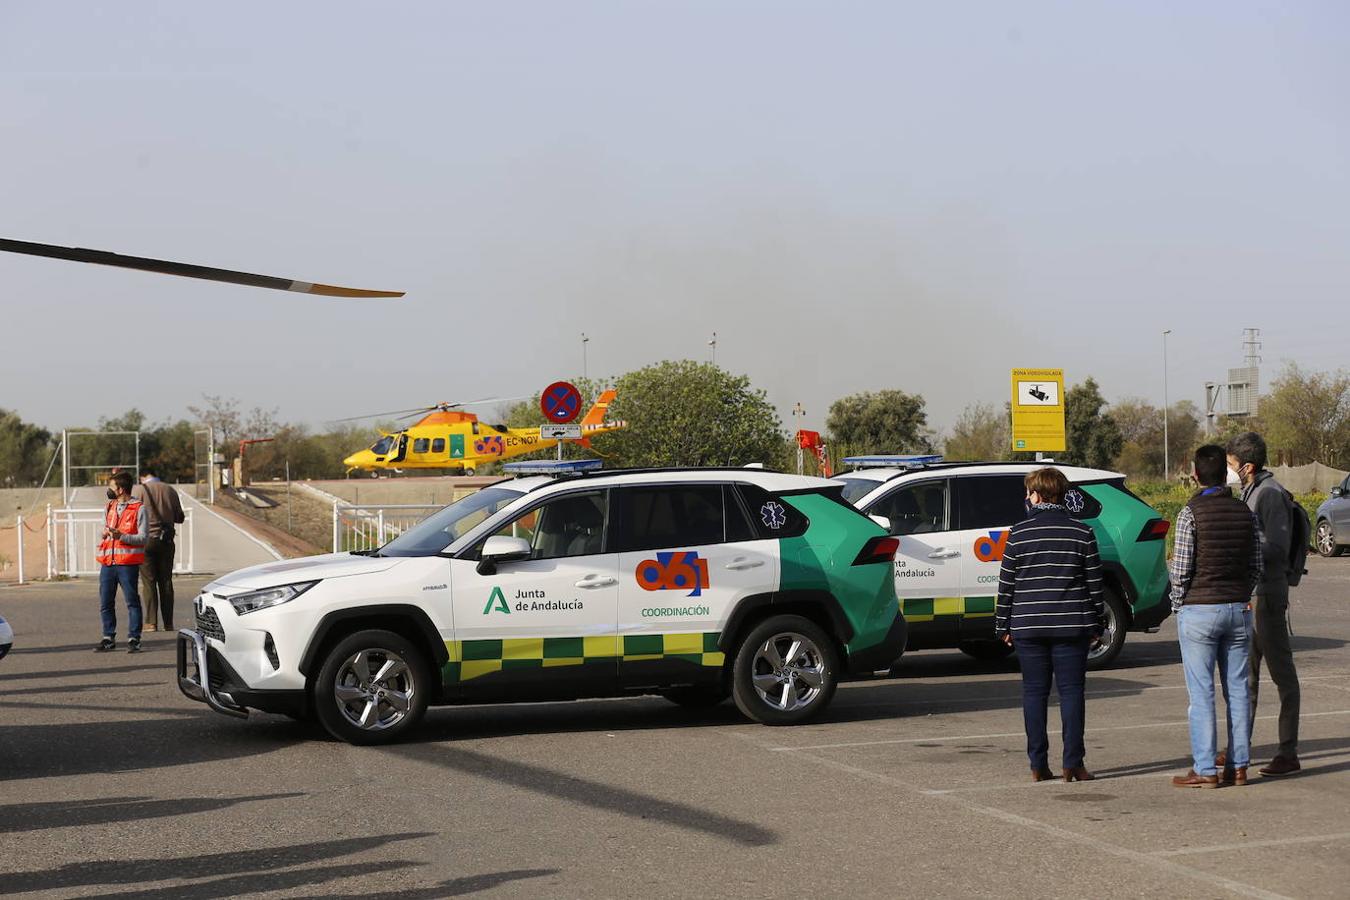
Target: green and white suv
{"points": [[952, 520], [693, 584]]}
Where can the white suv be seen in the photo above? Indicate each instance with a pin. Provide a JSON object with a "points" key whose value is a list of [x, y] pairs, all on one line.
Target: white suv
{"points": [[694, 584]]}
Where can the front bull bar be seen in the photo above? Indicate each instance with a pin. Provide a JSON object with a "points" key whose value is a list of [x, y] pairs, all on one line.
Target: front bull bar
{"points": [[199, 688]]}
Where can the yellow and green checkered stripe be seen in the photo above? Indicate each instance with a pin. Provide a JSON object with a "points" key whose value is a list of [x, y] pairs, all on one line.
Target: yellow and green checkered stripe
{"points": [[470, 659], [926, 609]]}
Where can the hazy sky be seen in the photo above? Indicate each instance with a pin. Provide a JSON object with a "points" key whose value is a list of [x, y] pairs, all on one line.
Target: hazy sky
{"points": [[854, 196]]}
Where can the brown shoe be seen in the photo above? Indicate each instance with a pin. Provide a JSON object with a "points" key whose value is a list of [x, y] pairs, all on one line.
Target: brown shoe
{"points": [[1192, 780], [1078, 773], [1281, 765], [152, 628], [1239, 776], [1042, 774]]}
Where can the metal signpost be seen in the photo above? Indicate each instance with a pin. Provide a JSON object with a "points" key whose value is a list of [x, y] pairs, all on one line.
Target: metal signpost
{"points": [[1038, 410]]}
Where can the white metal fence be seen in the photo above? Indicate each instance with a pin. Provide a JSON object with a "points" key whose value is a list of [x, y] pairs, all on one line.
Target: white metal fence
{"points": [[73, 537], [365, 527]]}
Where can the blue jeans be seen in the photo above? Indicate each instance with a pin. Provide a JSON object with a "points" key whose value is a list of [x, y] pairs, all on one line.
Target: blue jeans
{"points": [[1064, 660], [109, 577], [1216, 634]]}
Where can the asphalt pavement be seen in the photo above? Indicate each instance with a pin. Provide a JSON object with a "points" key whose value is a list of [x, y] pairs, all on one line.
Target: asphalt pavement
{"points": [[113, 784]]}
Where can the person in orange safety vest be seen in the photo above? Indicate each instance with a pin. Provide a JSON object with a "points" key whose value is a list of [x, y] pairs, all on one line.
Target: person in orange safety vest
{"points": [[120, 554]]}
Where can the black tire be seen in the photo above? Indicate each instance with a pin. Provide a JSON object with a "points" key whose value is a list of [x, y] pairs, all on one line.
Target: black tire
{"points": [[411, 684], [696, 697], [985, 650], [1324, 539], [816, 654], [1114, 638]]}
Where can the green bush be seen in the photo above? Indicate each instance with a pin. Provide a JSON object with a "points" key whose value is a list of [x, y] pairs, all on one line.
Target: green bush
{"points": [[1168, 499]]}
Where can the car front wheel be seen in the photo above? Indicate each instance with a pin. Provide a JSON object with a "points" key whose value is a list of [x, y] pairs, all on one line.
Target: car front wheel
{"points": [[786, 671], [372, 688], [1326, 540]]}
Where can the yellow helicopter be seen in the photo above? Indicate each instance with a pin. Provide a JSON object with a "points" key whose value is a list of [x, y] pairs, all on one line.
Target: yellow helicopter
{"points": [[448, 438]]}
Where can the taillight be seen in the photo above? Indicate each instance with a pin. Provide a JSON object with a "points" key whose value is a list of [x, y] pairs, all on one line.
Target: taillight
{"points": [[879, 549], [1154, 530]]}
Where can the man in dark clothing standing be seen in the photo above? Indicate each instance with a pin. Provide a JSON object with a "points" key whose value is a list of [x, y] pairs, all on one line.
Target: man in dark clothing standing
{"points": [[165, 511], [1052, 608], [1216, 565], [1274, 509]]}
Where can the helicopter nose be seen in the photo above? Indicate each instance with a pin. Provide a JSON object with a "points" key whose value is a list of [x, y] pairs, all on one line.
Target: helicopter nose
{"points": [[363, 458]]}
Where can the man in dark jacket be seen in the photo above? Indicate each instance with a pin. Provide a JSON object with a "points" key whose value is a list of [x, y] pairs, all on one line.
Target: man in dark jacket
{"points": [[1051, 607], [165, 511], [1216, 565], [1275, 511]]}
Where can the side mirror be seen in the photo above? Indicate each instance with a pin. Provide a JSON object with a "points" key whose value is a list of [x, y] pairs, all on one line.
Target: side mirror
{"points": [[1337, 492], [499, 549], [882, 521]]}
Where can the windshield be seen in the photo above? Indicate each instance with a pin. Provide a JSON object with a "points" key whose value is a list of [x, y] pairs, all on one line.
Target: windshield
{"points": [[857, 488], [383, 445], [436, 532]]}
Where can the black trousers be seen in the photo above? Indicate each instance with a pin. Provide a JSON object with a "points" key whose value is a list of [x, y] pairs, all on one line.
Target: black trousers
{"points": [[157, 583]]}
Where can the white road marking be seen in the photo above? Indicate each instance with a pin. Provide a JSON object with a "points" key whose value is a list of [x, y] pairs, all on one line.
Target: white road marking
{"points": [[1248, 845], [939, 739]]}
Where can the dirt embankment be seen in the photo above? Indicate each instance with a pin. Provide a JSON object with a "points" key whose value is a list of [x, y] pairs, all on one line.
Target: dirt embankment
{"points": [[298, 525]]}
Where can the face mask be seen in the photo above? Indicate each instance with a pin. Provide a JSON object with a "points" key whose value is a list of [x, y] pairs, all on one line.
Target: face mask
{"points": [[112, 495], [1233, 476]]}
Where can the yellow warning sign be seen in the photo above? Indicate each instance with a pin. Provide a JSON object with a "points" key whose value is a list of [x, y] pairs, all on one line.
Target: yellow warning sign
{"points": [[1038, 410]]}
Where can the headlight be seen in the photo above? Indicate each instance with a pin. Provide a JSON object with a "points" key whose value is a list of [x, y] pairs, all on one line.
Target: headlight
{"points": [[268, 597]]}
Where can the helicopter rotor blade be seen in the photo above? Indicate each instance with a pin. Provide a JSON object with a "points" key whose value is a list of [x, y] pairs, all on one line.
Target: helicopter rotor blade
{"points": [[186, 270], [409, 413], [397, 413]]}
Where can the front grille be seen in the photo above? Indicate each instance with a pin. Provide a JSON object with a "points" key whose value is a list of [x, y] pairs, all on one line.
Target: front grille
{"points": [[208, 623]]}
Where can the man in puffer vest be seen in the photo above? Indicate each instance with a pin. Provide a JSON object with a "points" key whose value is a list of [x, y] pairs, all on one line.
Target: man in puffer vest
{"points": [[1216, 565], [126, 528]]}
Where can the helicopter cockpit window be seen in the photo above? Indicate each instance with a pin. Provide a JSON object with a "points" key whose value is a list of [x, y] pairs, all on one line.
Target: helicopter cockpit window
{"points": [[421, 445], [438, 445], [383, 445], [440, 530]]}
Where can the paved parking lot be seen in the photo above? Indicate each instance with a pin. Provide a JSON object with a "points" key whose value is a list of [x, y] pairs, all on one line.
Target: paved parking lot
{"points": [[111, 783]]}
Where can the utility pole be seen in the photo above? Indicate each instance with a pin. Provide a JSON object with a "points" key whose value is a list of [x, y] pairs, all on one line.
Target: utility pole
{"points": [[1167, 461], [713, 353], [584, 341], [799, 412]]}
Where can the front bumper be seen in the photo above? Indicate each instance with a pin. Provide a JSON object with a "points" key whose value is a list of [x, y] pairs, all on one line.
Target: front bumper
{"points": [[198, 686]]}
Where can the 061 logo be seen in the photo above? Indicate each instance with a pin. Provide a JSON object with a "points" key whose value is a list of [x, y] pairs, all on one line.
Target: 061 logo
{"points": [[990, 548], [677, 570]]}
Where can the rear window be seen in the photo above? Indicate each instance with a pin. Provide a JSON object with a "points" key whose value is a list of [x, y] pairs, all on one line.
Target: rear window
{"points": [[769, 515], [991, 501]]}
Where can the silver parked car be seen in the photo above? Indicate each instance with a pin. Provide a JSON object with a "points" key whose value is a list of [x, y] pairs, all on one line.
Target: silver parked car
{"points": [[1331, 531]]}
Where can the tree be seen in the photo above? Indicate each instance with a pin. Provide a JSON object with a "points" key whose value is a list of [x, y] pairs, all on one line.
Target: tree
{"points": [[1141, 430], [982, 432], [1094, 438], [1307, 417], [888, 421], [685, 413], [24, 451]]}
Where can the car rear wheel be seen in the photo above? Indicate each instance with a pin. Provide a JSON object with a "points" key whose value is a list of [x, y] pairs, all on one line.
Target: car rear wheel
{"points": [[1326, 540], [786, 671], [372, 688], [1113, 638], [696, 697]]}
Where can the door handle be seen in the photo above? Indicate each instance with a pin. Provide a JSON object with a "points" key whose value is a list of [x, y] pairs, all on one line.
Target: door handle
{"points": [[597, 581], [744, 562], [944, 553]]}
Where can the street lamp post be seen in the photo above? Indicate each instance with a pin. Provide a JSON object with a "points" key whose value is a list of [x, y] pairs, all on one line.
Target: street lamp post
{"points": [[584, 341], [713, 345], [1167, 459]]}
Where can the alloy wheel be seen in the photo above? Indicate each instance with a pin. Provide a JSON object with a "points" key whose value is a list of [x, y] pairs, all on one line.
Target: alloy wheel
{"points": [[374, 689], [1326, 541], [789, 671]]}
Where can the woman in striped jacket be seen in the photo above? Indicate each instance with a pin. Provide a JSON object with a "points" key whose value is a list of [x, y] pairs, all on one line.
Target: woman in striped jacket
{"points": [[1050, 607]]}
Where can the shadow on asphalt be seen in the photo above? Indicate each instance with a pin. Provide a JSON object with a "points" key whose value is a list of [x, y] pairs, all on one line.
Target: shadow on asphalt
{"points": [[496, 767], [76, 688], [166, 667], [17, 817], [78, 748], [248, 871], [1309, 751], [453, 887]]}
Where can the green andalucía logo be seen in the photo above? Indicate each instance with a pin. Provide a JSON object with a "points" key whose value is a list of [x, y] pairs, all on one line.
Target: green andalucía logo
{"points": [[496, 601]]}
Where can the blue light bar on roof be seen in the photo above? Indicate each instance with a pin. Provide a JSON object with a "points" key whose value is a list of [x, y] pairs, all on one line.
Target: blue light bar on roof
{"points": [[552, 466], [892, 462]]}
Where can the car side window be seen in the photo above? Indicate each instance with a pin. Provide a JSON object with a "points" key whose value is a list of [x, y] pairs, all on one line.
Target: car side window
{"points": [[990, 501], [570, 525], [687, 515], [771, 517], [915, 508]]}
